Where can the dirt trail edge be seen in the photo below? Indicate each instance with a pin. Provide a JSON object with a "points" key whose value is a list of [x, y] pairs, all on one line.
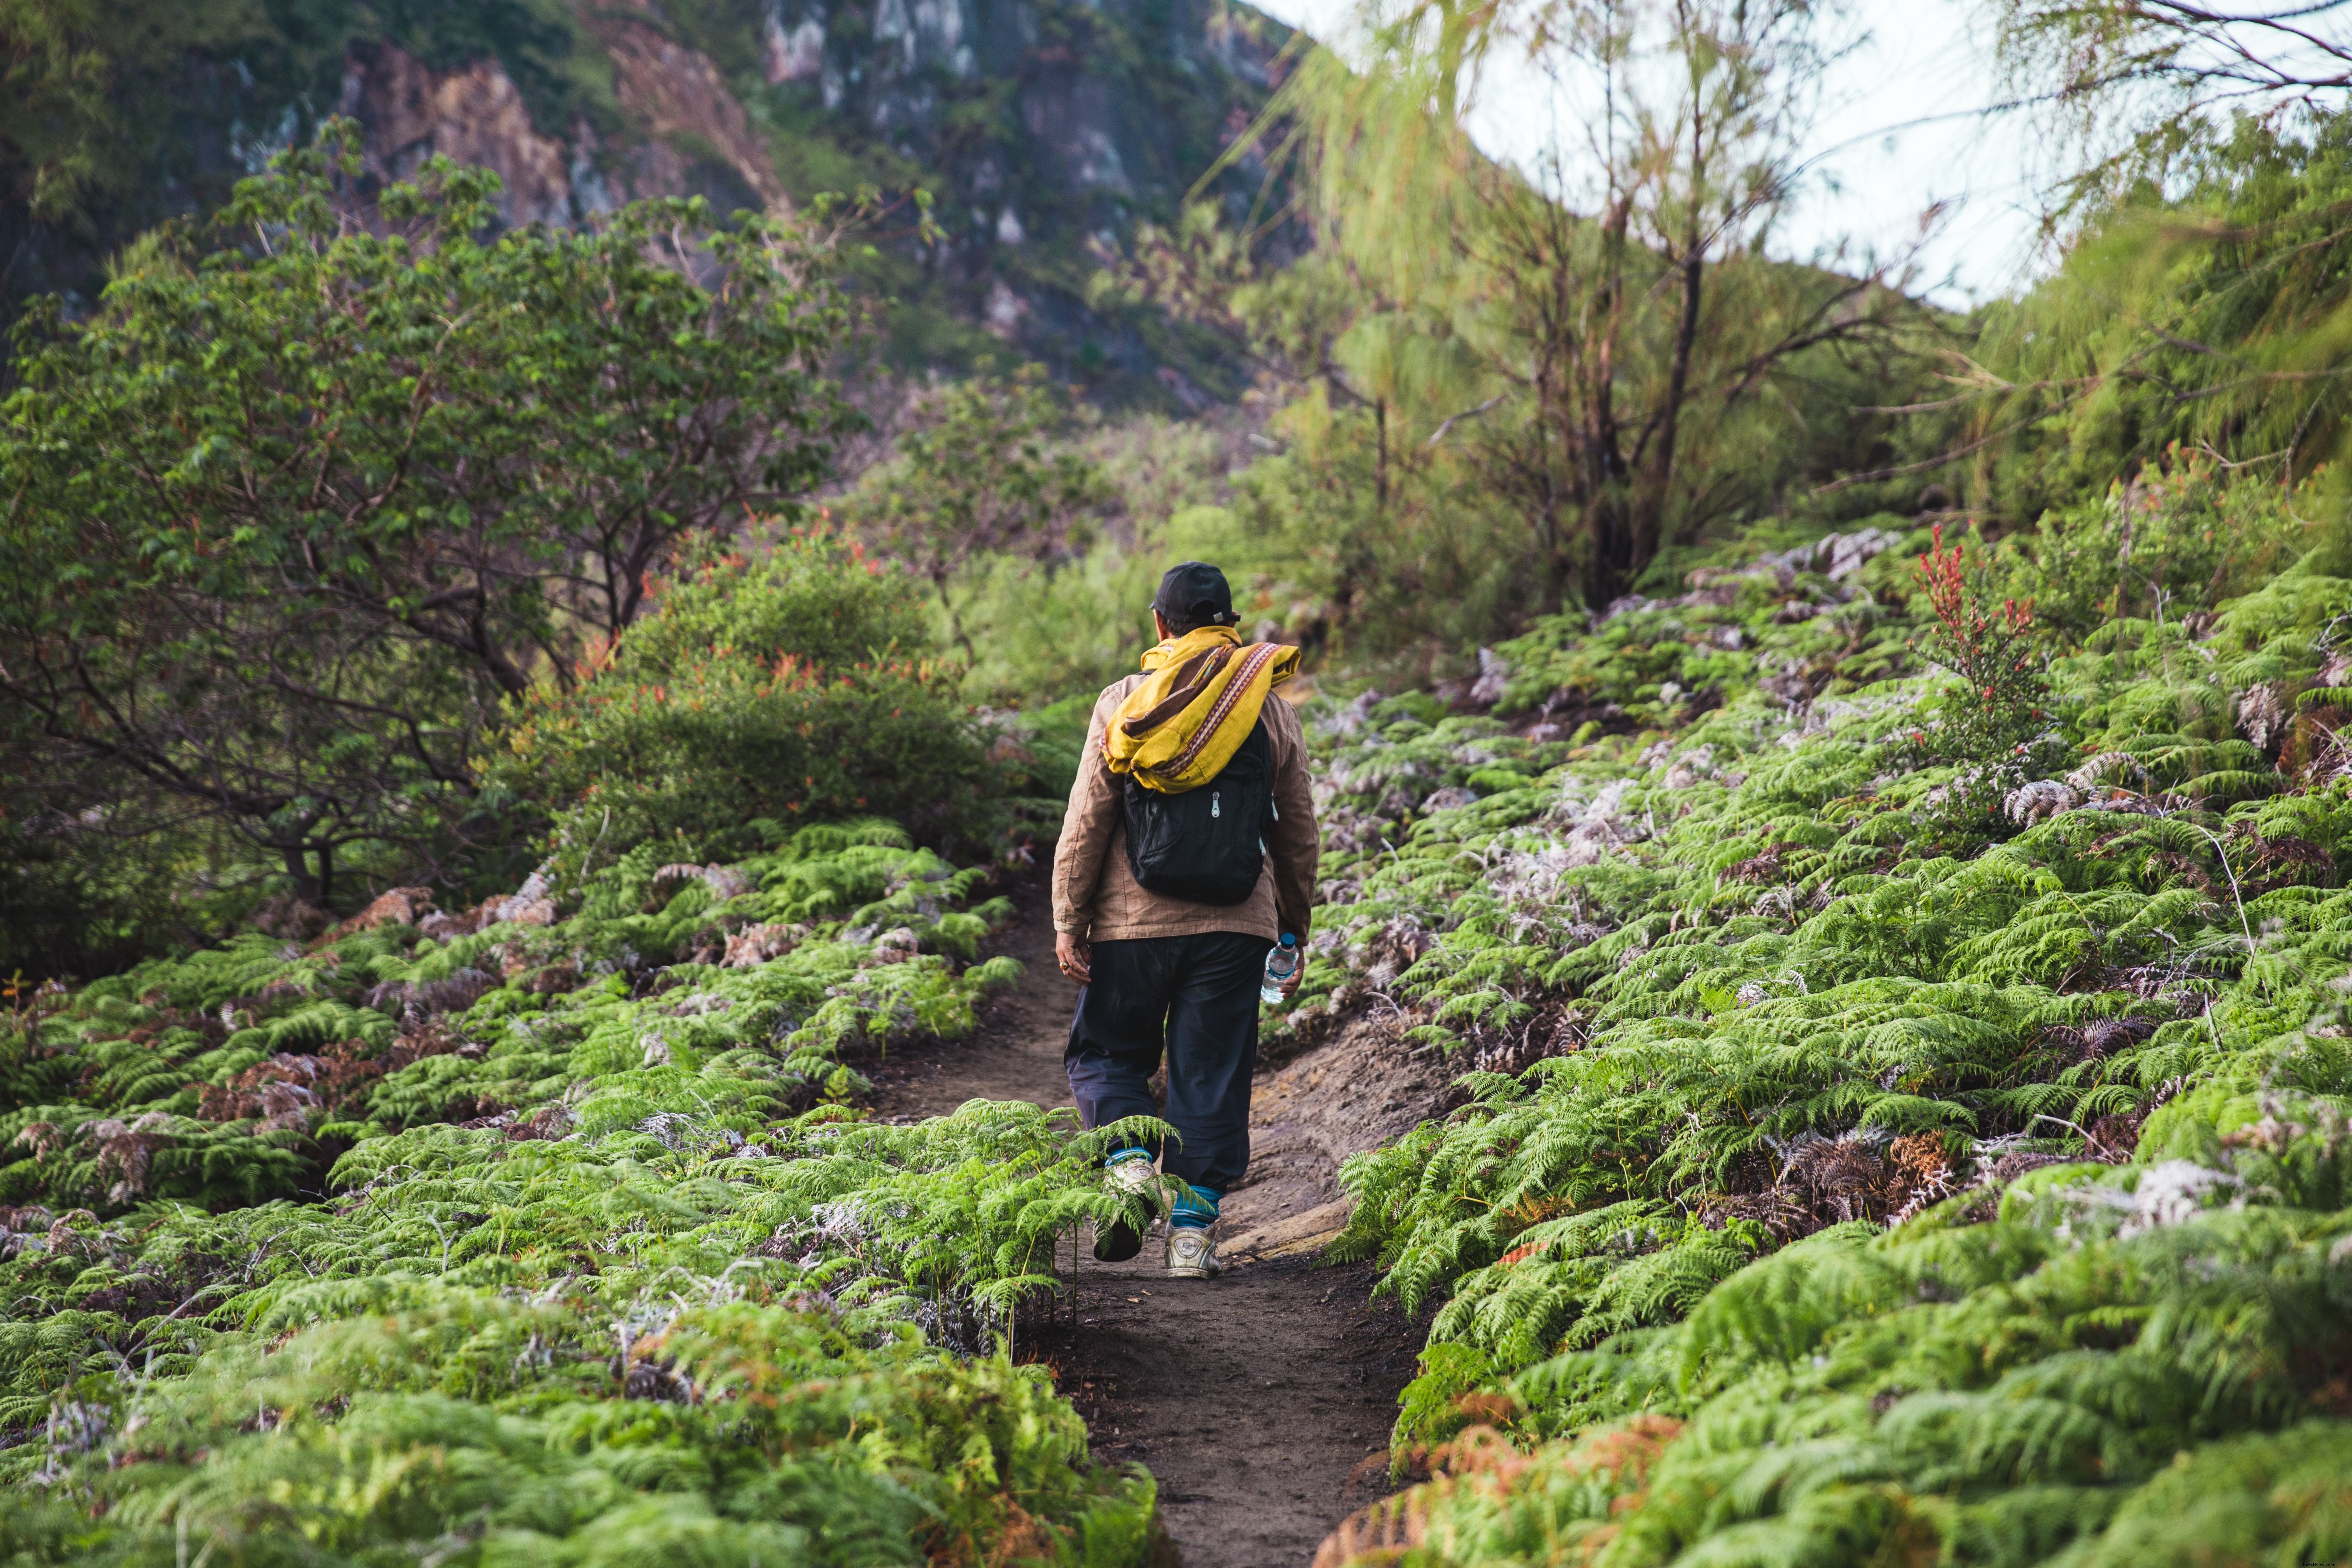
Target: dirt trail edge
{"points": [[1257, 1398]]}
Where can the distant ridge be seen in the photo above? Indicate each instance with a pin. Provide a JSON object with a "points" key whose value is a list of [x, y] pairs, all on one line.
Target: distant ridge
{"points": [[1045, 131]]}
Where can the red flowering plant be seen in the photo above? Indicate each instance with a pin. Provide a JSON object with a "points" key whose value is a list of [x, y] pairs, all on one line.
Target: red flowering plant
{"points": [[1996, 718]]}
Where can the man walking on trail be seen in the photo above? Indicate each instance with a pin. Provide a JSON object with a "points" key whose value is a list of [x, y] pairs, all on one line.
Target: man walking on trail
{"points": [[1188, 850]]}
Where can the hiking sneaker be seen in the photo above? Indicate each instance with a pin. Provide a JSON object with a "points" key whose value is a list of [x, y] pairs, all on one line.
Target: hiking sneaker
{"points": [[1131, 1182], [1191, 1255]]}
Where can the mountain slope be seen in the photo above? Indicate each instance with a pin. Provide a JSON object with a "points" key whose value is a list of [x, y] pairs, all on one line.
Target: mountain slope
{"points": [[1042, 131]]}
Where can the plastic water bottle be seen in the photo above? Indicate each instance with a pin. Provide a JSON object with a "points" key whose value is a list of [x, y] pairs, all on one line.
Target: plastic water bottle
{"points": [[1280, 965]]}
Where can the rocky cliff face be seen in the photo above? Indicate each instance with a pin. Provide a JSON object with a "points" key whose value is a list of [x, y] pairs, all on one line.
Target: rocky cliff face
{"points": [[682, 130], [1046, 129], [1043, 114], [1043, 130]]}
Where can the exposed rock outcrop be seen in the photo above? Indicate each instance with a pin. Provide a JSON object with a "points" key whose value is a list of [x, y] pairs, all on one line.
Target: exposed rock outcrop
{"points": [[689, 135], [684, 111], [474, 115]]}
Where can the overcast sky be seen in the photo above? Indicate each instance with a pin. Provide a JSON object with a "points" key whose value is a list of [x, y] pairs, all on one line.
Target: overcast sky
{"points": [[1878, 167]]}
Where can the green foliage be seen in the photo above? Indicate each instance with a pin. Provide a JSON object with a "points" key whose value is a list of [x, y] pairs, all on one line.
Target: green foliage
{"points": [[1386, 533], [286, 522], [82, 898], [2048, 1385], [942, 112], [1067, 627], [1845, 1170], [1376, 549], [1052, 622], [260, 1061], [1617, 377], [979, 474], [661, 1291], [56, 96], [2177, 541], [790, 686], [2190, 313], [1994, 720], [806, 594], [107, 99], [98, 99]]}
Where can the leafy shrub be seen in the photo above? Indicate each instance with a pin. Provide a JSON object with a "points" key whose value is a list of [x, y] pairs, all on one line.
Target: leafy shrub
{"points": [[807, 593], [287, 522], [2003, 696], [793, 687], [977, 475], [1048, 629], [2178, 541], [2186, 317], [1994, 721]]}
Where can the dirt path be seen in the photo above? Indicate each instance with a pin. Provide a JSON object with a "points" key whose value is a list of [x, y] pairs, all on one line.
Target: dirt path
{"points": [[1262, 1400], [1017, 1052]]}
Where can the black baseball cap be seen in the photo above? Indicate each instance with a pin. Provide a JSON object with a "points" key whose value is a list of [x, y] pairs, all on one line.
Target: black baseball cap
{"points": [[1195, 591]]}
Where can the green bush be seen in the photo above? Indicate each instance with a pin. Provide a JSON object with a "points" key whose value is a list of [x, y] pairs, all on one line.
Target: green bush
{"points": [[804, 594], [2177, 541], [1056, 628], [794, 687], [287, 523]]}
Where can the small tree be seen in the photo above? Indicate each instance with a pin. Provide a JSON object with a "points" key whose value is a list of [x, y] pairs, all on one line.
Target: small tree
{"points": [[977, 475], [287, 517], [1602, 330], [2136, 91], [792, 687]]}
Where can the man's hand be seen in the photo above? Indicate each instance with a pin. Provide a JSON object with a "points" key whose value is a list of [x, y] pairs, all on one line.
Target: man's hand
{"points": [[1072, 956], [1298, 971]]}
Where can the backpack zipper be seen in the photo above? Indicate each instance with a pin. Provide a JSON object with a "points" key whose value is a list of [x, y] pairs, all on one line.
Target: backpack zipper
{"points": [[1214, 809]]}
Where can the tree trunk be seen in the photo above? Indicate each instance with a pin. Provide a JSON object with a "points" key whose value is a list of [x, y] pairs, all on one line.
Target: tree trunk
{"points": [[1607, 562], [940, 577], [298, 872], [1551, 419], [1650, 508], [1657, 490]]}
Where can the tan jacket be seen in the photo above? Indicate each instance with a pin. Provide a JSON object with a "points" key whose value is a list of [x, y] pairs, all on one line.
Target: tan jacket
{"points": [[1096, 896]]}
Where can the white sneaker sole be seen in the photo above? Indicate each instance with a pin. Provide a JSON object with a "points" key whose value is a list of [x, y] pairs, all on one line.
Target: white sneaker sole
{"points": [[1208, 1268]]}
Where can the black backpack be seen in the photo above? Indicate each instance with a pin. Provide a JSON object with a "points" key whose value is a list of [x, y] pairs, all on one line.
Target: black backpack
{"points": [[1206, 846]]}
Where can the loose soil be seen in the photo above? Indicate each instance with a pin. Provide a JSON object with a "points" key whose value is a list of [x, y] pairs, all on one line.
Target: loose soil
{"points": [[1261, 1400]]}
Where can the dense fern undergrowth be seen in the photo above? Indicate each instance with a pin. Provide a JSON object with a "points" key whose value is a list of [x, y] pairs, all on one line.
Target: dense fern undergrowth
{"points": [[501, 1237], [1876, 1144]]}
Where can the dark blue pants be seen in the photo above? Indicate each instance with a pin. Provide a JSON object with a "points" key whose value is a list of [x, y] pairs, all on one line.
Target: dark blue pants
{"points": [[1196, 996]]}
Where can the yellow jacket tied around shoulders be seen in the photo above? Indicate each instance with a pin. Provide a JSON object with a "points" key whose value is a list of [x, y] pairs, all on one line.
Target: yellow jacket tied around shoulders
{"points": [[1199, 699]]}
